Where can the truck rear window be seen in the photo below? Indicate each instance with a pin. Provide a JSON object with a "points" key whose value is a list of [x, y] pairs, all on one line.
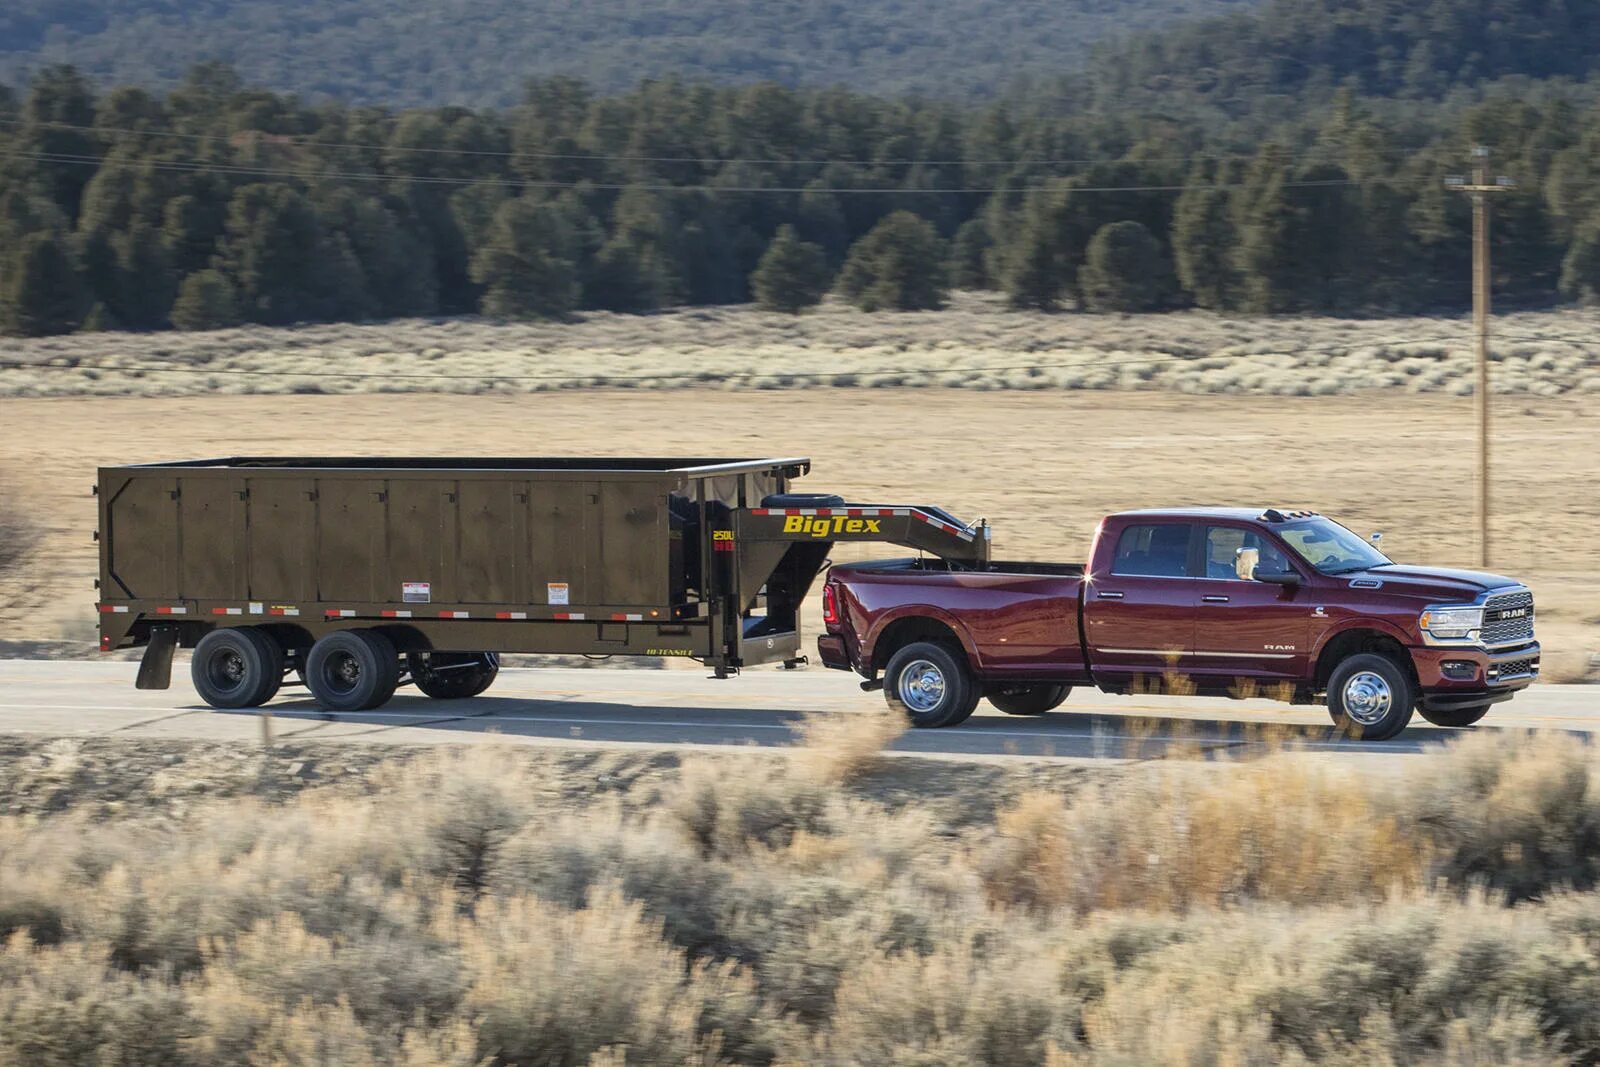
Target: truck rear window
{"points": [[1158, 550]]}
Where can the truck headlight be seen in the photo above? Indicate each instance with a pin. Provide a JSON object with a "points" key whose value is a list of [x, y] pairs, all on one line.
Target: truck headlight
{"points": [[1452, 622]]}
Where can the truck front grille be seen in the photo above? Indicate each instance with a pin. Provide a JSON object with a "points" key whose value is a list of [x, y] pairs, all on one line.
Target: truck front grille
{"points": [[1508, 618]]}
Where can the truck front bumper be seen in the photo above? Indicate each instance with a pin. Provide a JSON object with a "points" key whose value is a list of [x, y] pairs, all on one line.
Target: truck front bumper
{"points": [[1465, 677]]}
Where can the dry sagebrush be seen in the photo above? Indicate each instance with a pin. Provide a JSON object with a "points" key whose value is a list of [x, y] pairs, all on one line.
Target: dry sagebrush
{"points": [[1274, 912]]}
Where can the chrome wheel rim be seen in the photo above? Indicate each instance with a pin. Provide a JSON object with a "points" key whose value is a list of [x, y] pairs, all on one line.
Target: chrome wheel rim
{"points": [[1367, 698], [922, 685]]}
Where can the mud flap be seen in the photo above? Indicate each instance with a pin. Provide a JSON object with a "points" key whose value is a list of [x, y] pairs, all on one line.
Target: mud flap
{"points": [[155, 669]]}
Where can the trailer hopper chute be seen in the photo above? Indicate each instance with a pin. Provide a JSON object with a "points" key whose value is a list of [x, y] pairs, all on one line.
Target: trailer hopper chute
{"points": [[355, 575]]}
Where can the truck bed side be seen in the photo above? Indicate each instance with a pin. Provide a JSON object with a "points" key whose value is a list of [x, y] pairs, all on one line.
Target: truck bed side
{"points": [[1015, 620]]}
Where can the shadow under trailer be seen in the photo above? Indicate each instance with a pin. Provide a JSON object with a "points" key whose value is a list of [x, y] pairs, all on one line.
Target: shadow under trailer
{"points": [[353, 576]]}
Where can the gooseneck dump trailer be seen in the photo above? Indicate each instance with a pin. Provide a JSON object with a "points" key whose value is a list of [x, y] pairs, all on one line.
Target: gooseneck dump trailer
{"points": [[355, 575]]}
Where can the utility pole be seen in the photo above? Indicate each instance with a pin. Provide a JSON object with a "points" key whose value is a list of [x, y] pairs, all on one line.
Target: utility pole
{"points": [[1480, 188]]}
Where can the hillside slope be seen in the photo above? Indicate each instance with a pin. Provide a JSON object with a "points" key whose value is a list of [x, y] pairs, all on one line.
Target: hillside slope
{"points": [[452, 51]]}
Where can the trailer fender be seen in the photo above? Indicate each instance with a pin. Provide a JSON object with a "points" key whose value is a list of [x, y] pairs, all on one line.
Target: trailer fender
{"points": [[155, 669], [907, 617]]}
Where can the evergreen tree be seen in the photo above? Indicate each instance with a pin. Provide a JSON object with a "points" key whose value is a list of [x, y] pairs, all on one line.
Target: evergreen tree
{"points": [[898, 266], [206, 301], [792, 275], [969, 255], [272, 253], [43, 293], [1203, 241], [1039, 260], [525, 269], [1580, 270], [1125, 270]]}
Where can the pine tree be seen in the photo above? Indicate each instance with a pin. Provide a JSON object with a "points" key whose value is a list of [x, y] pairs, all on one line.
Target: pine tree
{"points": [[1203, 242], [898, 266], [1039, 259], [525, 267], [206, 301], [43, 293], [1125, 270], [969, 254], [1580, 271], [792, 275]]}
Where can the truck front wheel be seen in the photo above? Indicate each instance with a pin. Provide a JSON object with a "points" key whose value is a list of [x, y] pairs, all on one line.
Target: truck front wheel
{"points": [[353, 670], [1028, 699], [931, 685], [236, 668], [1370, 697], [453, 675], [1457, 718]]}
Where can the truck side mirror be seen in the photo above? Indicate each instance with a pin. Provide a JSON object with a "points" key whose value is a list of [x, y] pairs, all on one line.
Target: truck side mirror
{"points": [[1376, 537]]}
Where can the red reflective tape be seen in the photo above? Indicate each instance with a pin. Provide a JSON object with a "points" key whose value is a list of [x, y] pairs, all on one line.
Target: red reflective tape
{"points": [[455, 615], [172, 611], [395, 614], [760, 511]]}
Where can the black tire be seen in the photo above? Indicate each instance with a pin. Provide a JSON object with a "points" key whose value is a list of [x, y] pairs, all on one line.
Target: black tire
{"points": [[236, 668], [1370, 697], [453, 675], [1456, 718], [943, 693], [1027, 699], [353, 670]]}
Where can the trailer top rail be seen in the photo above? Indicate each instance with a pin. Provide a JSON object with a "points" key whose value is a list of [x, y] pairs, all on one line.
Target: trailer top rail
{"points": [[595, 467]]}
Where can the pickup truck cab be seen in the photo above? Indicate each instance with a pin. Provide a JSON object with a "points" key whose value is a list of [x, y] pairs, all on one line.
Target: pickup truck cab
{"points": [[1205, 601]]}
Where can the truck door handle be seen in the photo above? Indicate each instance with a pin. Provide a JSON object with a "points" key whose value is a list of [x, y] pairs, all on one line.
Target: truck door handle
{"points": [[1109, 596], [1215, 599]]}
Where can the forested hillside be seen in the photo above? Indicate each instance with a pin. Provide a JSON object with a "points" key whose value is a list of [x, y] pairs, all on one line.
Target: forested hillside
{"points": [[219, 203], [1418, 49], [410, 52]]}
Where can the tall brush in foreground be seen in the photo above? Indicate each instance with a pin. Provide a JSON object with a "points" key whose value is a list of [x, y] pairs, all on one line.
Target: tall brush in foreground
{"points": [[768, 910]]}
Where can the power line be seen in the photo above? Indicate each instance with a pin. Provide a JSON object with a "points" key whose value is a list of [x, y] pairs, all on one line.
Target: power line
{"points": [[311, 143], [512, 183]]}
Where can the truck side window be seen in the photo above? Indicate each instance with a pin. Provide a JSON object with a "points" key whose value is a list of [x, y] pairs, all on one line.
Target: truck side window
{"points": [[1157, 551], [1222, 552]]}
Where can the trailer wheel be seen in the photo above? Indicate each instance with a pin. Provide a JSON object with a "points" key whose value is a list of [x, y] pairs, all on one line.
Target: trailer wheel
{"points": [[453, 675], [1028, 699], [236, 668], [1458, 718], [931, 685], [1370, 697], [353, 670]]}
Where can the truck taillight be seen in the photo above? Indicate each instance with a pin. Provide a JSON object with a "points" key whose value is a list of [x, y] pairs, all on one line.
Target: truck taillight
{"points": [[830, 605]]}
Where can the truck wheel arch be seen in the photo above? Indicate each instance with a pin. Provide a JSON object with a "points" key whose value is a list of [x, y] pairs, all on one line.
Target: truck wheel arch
{"points": [[916, 624], [1365, 635]]}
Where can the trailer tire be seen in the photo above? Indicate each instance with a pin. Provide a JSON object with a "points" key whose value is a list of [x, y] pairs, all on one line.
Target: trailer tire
{"points": [[453, 675], [238, 667], [1456, 718], [1028, 699], [1370, 697], [353, 670], [931, 685]]}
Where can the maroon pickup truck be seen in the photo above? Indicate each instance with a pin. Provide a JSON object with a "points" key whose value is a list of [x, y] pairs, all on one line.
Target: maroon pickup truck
{"points": [[1209, 601]]}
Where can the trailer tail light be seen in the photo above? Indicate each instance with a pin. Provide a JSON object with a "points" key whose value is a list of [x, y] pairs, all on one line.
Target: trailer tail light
{"points": [[830, 605]]}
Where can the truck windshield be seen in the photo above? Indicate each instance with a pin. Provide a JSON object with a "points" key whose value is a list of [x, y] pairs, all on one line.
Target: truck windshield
{"points": [[1331, 548]]}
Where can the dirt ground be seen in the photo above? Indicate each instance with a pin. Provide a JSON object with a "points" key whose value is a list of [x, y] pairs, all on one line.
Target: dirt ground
{"points": [[1042, 466]]}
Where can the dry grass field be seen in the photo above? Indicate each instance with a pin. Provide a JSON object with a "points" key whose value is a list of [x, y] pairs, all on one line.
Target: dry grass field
{"points": [[510, 906], [1043, 466]]}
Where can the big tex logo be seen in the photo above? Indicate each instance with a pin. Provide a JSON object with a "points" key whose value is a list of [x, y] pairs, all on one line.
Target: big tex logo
{"points": [[825, 526]]}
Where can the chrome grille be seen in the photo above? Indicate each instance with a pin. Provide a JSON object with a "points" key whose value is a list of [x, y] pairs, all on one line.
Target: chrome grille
{"points": [[1508, 618], [1513, 668]]}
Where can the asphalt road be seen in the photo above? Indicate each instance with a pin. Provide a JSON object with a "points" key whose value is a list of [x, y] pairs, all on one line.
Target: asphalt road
{"points": [[683, 707]]}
